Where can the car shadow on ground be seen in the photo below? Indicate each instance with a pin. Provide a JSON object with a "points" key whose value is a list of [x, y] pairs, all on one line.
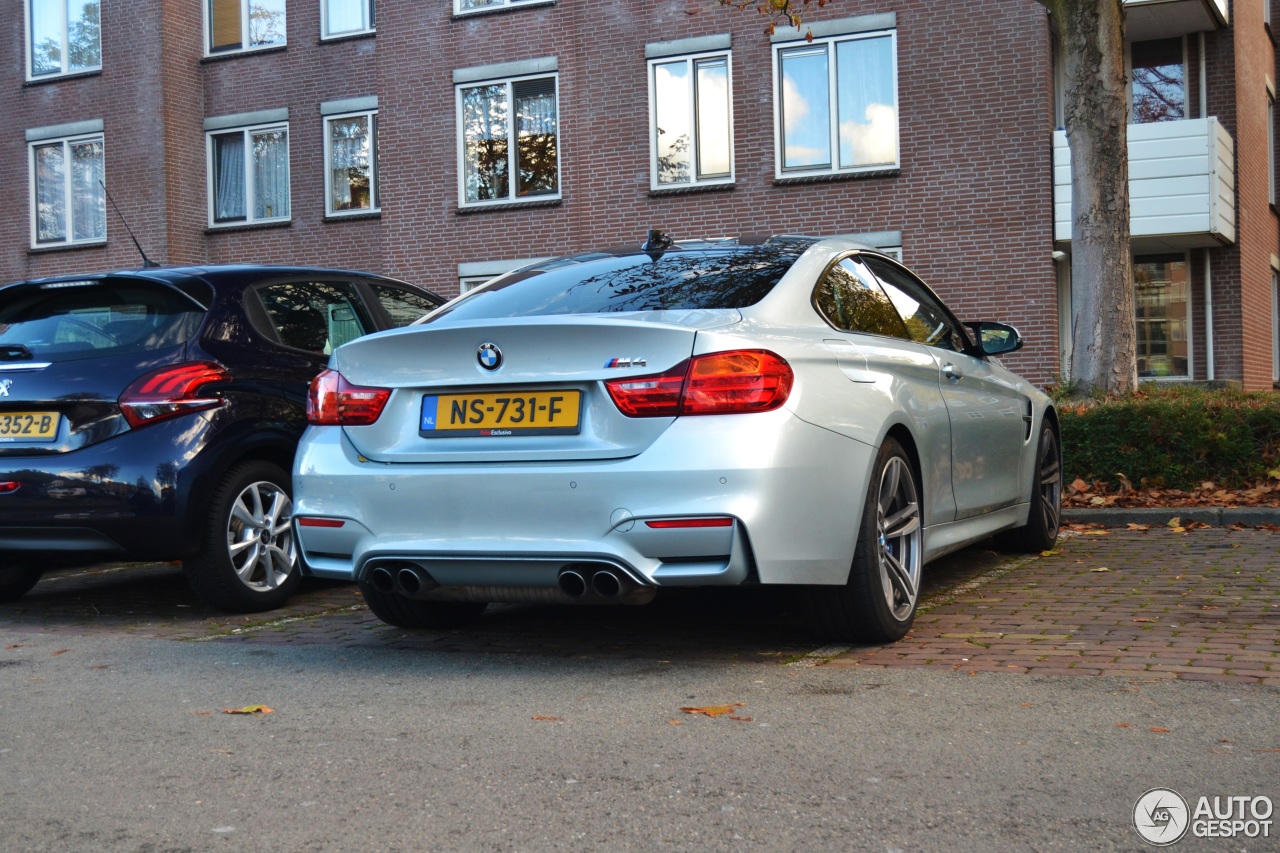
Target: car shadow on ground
{"points": [[154, 601]]}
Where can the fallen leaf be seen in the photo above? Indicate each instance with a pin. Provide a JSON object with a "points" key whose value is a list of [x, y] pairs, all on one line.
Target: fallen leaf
{"points": [[675, 722], [1100, 569], [1124, 725], [14, 646], [202, 713], [1026, 704], [1176, 521], [1144, 619], [1097, 533], [1133, 526], [1160, 731], [715, 710], [60, 652], [549, 719], [249, 709], [740, 719]]}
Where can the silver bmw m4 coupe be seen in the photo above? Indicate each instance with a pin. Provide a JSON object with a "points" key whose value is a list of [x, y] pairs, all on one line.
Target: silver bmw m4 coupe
{"points": [[786, 411]]}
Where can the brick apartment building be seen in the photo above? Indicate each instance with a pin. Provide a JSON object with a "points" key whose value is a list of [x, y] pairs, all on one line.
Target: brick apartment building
{"points": [[338, 132]]}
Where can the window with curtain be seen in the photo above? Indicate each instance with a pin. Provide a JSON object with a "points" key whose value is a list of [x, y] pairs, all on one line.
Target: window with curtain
{"points": [[244, 24], [64, 37], [509, 141], [691, 108], [837, 104], [1159, 80], [249, 175], [351, 158], [346, 17], [69, 202]]}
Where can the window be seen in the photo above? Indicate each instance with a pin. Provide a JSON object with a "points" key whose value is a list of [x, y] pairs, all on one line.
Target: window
{"points": [[837, 104], [351, 163], [850, 299], [926, 320], [345, 17], [1159, 80], [317, 316], [463, 6], [402, 306], [249, 175], [69, 202], [509, 141], [1162, 296], [244, 24], [691, 125], [1271, 147], [65, 37]]}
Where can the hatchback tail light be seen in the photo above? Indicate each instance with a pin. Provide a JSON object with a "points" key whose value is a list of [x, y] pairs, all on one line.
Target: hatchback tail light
{"points": [[718, 383], [333, 401], [171, 391]]}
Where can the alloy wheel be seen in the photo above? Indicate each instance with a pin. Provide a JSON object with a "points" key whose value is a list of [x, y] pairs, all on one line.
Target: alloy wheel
{"points": [[260, 536], [900, 538]]}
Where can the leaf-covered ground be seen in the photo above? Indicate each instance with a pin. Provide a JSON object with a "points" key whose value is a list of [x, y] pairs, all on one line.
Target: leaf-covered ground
{"points": [[1125, 494]]}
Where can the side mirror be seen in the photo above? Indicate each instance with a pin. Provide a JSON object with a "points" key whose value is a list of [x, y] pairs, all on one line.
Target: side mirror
{"points": [[996, 338]]}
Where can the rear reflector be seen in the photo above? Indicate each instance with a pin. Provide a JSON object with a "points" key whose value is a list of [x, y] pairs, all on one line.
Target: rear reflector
{"points": [[719, 383], [9, 487], [171, 391], [333, 401], [681, 523], [320, 522]]}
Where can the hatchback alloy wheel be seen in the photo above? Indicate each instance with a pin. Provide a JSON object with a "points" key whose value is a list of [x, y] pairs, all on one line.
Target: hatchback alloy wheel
{"points": [[260, 536]]}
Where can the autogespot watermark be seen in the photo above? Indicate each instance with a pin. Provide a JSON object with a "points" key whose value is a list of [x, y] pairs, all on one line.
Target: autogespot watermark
{"points": [[1162, 816]]}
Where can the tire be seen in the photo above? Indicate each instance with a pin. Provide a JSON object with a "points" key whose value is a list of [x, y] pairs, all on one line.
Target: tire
{"points": [[878, 602], [1045, 515], [17, 577], [395, 609], [248, 559]]}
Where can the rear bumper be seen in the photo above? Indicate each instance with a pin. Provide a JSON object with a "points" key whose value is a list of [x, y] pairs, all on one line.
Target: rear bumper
{"points": [[123, 497], [791, 495]]}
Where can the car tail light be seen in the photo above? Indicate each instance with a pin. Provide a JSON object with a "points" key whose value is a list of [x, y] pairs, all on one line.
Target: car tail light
{"points": [[714, 384], [9, 486], [333, 401], [171, 391]]}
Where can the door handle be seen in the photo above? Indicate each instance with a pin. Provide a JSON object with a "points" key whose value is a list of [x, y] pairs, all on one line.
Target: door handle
{"points": [[952, 372]]}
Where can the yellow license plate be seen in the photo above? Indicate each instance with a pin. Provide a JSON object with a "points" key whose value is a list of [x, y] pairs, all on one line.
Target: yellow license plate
{"points": [[501, 414], [28, 426]]}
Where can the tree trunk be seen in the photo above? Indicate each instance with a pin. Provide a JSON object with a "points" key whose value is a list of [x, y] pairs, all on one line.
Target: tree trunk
{"points": [[1103, 337]]}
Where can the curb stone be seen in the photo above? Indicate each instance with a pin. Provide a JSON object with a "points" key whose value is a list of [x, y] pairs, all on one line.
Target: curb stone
{"points": [[1213, 516]]}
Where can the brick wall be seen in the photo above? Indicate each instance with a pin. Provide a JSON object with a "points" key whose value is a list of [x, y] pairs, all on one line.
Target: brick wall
{"points": [[972, 200]]}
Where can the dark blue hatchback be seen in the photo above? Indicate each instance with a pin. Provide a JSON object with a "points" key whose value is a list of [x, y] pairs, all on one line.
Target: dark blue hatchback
{"points": [[153, 415]]}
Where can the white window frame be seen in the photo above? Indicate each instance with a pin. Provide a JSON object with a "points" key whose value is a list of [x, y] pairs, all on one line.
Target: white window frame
{"points": [[245, 47], [490, 5], [472, 275], [367, 15], [68, 202], [691, 60], [210, 172], [1186, 77], [375, 198], [512, 148], [64, 47], [1271, 144], [830, 40]]}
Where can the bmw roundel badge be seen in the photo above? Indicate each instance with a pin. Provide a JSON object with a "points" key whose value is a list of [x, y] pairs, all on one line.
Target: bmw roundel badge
{"points": [[489, 356]]}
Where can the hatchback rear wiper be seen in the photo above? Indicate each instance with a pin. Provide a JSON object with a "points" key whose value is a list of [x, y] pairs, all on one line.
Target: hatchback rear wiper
{"points": [[14, 352]]}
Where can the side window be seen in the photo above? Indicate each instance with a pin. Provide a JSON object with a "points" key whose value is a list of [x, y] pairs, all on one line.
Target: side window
{"points": [[926, 320], [316, 316], [851, 300], [403, 306]]}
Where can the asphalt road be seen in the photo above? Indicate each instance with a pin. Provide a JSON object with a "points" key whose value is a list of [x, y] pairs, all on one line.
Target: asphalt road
{"points": [[563, 729]]}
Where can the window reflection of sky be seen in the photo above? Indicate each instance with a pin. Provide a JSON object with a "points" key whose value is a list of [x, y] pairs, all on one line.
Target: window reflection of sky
{"points": [[865, 101]]}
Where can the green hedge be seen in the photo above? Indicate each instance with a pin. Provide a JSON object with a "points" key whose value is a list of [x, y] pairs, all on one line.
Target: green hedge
{"points": [[1173, 436]]}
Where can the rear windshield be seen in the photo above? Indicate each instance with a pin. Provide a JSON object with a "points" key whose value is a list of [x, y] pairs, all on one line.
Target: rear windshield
{"points": [[596, 284], [64, 323]]}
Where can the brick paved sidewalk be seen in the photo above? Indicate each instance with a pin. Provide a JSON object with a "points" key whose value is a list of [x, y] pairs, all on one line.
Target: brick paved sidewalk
{"points": [[1151, 604]]}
